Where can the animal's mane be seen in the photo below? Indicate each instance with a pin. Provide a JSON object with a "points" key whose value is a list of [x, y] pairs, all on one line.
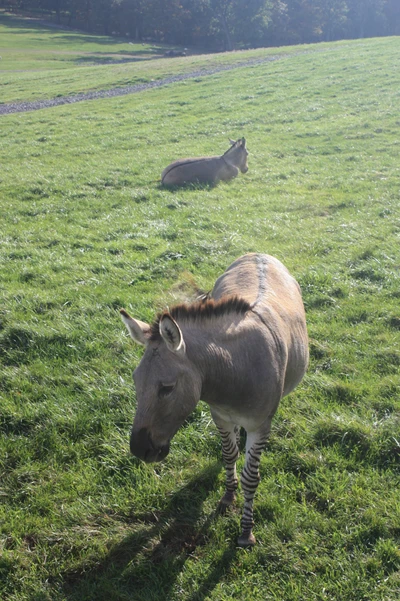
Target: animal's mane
{"points": [[230, 148], [236, 144], [202, 310]]}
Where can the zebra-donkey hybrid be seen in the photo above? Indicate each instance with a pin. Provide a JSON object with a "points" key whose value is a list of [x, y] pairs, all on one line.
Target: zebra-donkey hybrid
{"points": [[240, 350]]}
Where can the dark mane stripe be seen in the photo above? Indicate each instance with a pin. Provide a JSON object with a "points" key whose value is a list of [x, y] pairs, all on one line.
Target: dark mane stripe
{"points": [[229, 149], [202, 310]]}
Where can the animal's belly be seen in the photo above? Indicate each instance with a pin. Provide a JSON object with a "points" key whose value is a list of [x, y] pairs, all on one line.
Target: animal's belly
{"points": [[239, 418]]}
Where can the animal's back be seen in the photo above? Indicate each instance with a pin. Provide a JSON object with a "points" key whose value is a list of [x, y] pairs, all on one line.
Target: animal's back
{"points": [[258, 278], [276, 302], [195, 169]]}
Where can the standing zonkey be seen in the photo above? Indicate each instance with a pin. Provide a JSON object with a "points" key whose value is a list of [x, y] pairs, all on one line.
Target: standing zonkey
{"points": [[240, 351]]}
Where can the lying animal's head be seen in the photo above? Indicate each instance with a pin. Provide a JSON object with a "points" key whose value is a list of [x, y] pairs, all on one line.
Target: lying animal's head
{"points": [[237, 154]]}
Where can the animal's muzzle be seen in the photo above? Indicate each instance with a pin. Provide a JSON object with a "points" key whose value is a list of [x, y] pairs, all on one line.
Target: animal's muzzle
{"points": [[142, 446], [244, 169]]}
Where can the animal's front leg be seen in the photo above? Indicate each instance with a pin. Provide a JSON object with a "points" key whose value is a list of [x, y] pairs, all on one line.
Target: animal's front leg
{"points": [[232, 172], [230, 453], [249, 479]]}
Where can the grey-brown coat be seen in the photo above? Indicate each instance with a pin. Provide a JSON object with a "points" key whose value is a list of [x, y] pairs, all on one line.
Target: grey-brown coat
{"points": [[209, 170], [240, 351]]}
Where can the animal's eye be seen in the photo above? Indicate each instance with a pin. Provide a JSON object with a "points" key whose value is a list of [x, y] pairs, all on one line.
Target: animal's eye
{"points": [[166, 389]]}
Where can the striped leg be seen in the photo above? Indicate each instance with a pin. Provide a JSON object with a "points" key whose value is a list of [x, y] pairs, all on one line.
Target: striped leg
{"points": [[249, 479], [230, 452]]}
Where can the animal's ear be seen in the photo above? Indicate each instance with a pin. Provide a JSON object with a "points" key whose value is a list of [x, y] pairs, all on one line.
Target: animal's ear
{"points": [[243, 141], [139, 331], [233, 142], [171, 334]]}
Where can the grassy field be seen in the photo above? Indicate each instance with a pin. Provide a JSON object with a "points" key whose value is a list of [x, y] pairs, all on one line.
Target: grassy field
{"points": [[86, 229], [38, 62]]}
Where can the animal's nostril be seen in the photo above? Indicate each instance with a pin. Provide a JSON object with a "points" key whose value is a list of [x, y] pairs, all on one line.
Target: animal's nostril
{"points": [[141, 443], [147, 455]]}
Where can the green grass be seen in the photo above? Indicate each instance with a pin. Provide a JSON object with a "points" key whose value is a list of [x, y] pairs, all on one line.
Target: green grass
{"points": [[39, 62], [86, 229]]}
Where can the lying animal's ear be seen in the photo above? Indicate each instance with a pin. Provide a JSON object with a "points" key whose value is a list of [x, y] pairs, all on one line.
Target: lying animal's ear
{"points": [[139, 331], [243, 141], [232, 142], [171, 334]]}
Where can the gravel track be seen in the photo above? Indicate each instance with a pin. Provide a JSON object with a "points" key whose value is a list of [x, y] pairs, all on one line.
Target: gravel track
{"points": [[23, 107]]}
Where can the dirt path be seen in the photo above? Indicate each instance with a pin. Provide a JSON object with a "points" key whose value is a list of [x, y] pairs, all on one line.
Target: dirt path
{"points": [[22, 107]]}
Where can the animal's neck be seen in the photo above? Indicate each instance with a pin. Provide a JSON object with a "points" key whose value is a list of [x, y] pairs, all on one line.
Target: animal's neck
{"points": [[212, 348], [227, 162], [229, 157]]}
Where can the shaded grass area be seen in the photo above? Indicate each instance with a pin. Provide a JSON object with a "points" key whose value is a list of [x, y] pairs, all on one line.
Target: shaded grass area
{"points": [[41, 63], [22, 36], [86, 229]]}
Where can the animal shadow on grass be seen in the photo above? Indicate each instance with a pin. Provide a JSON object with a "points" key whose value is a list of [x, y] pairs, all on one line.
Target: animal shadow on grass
{"points": [[189, 186], [146, 564]]}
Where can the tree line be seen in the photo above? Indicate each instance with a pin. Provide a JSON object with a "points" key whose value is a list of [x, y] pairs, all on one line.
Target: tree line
{"points": [[222, 24]]}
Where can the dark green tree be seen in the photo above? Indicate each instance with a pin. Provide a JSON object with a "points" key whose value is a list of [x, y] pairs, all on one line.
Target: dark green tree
{"points": [[366, 18], [224, 24], [392, 15], [251, 20], [332, 18], [303, 23]]}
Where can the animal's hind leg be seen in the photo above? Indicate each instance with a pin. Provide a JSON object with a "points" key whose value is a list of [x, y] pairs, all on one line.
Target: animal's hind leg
{"points": [[230, 452], [250, 479]]}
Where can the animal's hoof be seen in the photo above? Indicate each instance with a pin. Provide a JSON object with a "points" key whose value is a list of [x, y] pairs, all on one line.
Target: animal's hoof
{"points": [[247, 540], [227, 500], [222, 508]]}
